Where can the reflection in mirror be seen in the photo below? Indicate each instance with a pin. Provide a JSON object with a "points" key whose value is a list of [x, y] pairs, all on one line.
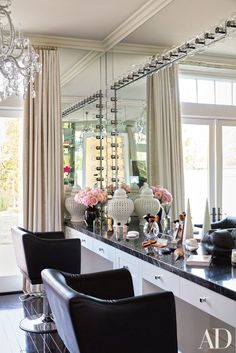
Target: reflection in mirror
{"points": [[207, 92], [83, 142], [132, 120]]}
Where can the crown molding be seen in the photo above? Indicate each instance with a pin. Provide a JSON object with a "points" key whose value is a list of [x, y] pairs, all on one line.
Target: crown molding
{"points": [[216, 61], [79, 66], [143, 14], [89, 58], [97, 48], [92, 45], [138, 49], [65, 42]]}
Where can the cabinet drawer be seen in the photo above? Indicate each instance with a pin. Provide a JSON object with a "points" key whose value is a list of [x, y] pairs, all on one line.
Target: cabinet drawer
{"points": [[104, 250], [211, 302], [86, 241], [124, 260], [161, 278], [127, 261]]}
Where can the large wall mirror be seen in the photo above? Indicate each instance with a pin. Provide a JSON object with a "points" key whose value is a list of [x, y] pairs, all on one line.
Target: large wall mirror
{"points": [[207, 87], [207, 95]]}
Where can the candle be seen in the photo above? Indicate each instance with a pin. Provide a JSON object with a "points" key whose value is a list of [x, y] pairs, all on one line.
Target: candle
{"points": [[233, 257]]}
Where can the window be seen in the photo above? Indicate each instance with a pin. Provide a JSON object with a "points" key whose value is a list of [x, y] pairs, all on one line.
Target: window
{"points": [[188, 90], [209, 149], [196, 166], [223, 92], [228, 167], [206, 90], [209, 139], [10, 200], [9, 176]]}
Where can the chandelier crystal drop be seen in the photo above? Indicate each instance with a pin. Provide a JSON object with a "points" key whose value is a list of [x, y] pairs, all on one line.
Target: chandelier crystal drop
{"points": [[18, 60]]}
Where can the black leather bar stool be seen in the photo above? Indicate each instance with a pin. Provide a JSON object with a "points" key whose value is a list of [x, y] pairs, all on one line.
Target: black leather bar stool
{"points": [[37, 251], [97, 313]]}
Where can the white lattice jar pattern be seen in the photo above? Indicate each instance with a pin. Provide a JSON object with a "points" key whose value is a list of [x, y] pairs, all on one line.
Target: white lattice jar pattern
{"points": [[75, 209], [120, 207], [146, 204]]}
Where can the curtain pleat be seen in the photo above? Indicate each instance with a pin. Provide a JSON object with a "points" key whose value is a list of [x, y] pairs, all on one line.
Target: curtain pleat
{"points": [[42, 149], [164, 137]]}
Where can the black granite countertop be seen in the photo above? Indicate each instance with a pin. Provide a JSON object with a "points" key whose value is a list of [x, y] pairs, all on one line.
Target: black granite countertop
{"points": [[219, 276]]}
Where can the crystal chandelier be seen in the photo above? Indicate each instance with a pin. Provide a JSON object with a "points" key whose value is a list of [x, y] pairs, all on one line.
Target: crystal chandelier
{"points": [[18, 61]]}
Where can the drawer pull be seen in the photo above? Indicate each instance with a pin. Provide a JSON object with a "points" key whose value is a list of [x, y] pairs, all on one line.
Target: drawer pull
{"points": [[101, 249], [126, 267], [202, 299], [83, 240], [158, 277]]}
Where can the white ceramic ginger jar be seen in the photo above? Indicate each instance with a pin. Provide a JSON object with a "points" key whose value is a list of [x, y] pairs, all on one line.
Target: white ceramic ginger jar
{"points": [[75, 209], [120, 207], [146, 203], [134, 194]]}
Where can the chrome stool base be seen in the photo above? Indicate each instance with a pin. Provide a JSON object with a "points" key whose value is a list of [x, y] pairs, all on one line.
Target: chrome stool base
{"points": [[38, 324]]}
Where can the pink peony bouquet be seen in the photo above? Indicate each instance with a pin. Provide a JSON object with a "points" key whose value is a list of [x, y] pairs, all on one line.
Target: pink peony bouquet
{"points": [[111, 188], [91, 197], [162, 194]]}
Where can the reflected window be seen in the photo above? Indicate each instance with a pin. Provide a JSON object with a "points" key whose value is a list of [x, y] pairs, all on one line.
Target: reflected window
{"points": [[229, 169], [196, 167], [234, 93], [205, 89], [223, 92], [188, 90]]}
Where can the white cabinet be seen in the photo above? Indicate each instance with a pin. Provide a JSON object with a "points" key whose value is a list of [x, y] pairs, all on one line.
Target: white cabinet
{"points": [[210, 302], [99, 256], [161, 278], [86, 241], [132, 263], [104, 250]]}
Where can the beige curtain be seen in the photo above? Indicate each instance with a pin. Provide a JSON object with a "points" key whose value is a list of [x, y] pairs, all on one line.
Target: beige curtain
{"points": [[164, 138], [42, 149], [131, 138]]}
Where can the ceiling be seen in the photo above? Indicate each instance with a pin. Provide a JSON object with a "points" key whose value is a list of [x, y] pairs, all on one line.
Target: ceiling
{"points": [[129, 31]]}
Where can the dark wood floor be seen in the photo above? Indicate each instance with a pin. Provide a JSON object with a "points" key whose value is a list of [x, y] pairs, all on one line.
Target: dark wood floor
{"points": [[13, 339]]}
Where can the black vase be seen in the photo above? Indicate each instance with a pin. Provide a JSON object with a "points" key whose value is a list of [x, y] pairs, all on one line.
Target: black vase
{"points": [[90, 214], [160, 220]]}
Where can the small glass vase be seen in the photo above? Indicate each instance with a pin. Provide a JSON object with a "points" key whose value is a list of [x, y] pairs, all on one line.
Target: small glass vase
{"points": [[166, 219], [100, 223], [151, 230], [90, 214]]}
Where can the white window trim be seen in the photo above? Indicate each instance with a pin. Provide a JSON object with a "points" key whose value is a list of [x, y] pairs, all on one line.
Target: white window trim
{"points": [[11, 112], [212, 115]]}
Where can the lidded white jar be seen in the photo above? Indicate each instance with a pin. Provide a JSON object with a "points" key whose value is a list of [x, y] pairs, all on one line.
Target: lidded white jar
{"points": [[146, 203], [120, 207], [76, 210], [134, 194]]}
